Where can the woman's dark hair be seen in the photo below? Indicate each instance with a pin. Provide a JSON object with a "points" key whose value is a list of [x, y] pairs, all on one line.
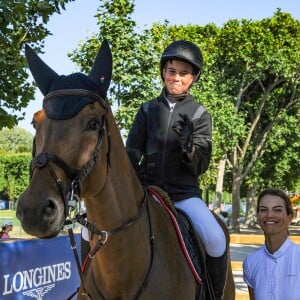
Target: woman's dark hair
{"points": [[279, 193]]}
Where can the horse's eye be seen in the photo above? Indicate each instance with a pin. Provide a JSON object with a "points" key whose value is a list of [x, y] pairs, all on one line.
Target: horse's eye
{"points": [[94, 124]]}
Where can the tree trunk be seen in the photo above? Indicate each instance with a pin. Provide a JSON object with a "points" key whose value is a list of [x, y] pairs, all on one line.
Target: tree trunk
{"points": [[236, 184], [220, 179], [251, 218]]}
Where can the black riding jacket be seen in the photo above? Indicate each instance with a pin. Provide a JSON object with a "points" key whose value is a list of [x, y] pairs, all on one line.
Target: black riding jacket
{"points": [[155, 151]]}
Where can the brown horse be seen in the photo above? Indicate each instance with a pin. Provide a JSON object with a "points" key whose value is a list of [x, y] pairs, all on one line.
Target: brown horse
{"points": [[78, 150]]}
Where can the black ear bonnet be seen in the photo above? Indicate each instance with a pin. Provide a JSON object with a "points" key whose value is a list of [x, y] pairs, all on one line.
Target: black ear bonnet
{"points": [[66, 104], [65, 107]]}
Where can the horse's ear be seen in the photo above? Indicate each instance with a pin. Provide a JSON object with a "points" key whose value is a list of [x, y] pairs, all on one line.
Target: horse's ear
{"points": [[43, 75], [101, 71]]}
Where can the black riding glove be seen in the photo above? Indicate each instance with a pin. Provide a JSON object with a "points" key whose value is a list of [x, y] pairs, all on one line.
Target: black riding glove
{"points": [[184, 129]]}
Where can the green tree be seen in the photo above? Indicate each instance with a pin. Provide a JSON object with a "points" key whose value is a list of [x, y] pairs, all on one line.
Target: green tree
{"points": [[14, 174], [258, 64], [228, 88], [15, 140], [22, 21], [278, 167], [135, 69], [249, 84]]}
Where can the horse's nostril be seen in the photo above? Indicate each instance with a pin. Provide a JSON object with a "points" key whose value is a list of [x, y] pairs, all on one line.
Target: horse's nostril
{"points": [[50, 208]]}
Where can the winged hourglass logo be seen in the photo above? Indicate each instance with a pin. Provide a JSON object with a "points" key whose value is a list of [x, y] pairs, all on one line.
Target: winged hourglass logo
{"points": [[39, 292]]}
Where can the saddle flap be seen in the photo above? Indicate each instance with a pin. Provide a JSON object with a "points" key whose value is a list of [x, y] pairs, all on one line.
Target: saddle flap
{"points": [[193, 244]]}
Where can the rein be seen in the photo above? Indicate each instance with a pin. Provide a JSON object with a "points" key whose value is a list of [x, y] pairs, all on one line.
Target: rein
{"points": [[103, 236]]}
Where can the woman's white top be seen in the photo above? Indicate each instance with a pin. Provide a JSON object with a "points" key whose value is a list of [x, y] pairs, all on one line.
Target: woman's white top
{"points": [[274, 276]]}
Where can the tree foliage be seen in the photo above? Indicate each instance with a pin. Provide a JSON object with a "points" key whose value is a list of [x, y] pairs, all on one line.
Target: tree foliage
{"points": [[250, 84], [14, 174], [134, 58], [22, 21], [15, 150], [15, 140], [258, 66]]}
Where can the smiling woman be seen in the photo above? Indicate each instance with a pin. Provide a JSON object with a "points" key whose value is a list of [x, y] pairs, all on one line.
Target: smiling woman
{"points": [[273, 271]]}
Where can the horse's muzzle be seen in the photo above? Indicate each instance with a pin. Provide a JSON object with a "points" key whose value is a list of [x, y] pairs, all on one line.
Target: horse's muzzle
{"points": [[40, 218]]}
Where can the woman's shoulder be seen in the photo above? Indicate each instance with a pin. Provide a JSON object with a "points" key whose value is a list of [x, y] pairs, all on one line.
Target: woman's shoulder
{"points": [[296, 247], [255, 257]]}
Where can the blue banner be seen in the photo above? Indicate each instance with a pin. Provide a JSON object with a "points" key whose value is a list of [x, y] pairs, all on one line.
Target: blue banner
{"points": [[38, 269]]}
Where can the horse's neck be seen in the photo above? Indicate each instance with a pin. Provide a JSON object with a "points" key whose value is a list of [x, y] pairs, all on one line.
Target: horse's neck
{"points": [[122, 260], [122, 177], [122, 193], [124, 187]]}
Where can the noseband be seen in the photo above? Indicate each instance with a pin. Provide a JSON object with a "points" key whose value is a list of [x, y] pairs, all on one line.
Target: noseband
{"points": [[44, 159]]}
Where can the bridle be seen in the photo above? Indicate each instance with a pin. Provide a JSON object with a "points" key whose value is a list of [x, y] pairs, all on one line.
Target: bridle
{"points": [[46, 159]]}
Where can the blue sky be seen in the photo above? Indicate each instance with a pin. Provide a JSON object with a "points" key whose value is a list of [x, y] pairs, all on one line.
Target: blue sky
{"points": [[77, 22]]}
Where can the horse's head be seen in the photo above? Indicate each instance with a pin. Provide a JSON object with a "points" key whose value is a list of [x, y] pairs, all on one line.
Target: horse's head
{"points": [[70, 132]]}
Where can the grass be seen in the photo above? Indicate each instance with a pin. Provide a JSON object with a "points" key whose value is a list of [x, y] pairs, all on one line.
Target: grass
{"points": [[18, 232], [10, 215]]}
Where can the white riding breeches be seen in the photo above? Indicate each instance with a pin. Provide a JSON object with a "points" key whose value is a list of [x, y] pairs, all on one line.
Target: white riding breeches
{"points": [[205, 224]]}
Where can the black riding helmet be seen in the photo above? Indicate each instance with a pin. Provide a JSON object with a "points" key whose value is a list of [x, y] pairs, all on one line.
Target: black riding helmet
{"points": [[185, 51]]}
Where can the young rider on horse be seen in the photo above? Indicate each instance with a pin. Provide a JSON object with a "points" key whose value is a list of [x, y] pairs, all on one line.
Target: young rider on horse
{"points": [[170, 144]]}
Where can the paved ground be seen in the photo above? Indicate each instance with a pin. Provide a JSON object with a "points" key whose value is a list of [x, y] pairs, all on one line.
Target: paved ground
{"points": [[238, 252]]}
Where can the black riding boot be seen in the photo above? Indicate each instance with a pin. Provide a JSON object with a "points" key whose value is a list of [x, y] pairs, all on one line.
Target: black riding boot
{"points": [[217, 270]]}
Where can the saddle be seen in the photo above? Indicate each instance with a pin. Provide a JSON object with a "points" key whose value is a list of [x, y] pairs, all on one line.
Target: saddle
{"points": [[192, 243]]}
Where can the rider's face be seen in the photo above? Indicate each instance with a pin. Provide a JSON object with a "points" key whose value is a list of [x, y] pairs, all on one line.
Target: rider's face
{"points": [[178, 76]]}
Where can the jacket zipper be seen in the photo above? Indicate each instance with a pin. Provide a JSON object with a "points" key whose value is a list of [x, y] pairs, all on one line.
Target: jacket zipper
{"points": [[165, 139]]}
